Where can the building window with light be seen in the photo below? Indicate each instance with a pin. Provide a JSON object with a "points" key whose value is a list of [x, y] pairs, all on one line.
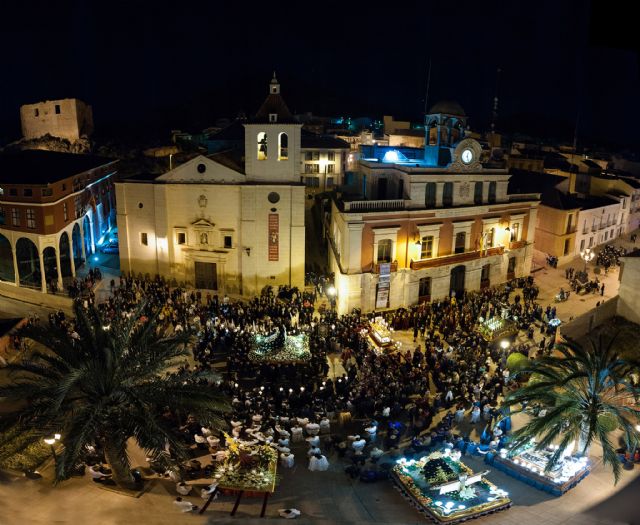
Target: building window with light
{"points": [[144, 239], [262, 145], [384, 251], [426, 247], [15, 216], [515, 232], [312, 182], [65, 212], [31, 218], [331, 168], [489, 235], [331, 156]]}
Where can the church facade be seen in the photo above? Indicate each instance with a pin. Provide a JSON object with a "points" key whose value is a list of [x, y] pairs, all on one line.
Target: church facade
{"points": [[429, 222], [232, 222]]}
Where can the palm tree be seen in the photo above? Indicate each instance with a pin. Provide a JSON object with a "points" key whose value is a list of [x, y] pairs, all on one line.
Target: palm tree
{"points": [[587, 393], [106, 386]]}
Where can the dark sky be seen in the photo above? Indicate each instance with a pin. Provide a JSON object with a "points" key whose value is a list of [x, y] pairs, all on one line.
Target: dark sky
{"points": [[147, 67]]}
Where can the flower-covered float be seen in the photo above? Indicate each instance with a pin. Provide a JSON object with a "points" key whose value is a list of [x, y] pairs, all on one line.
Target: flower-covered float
{"points": [[496, 328], [529, 465], [378, 336], [445, 489], [280, 347]]}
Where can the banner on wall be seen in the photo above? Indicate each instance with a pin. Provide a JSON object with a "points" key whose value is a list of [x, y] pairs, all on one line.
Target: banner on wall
{"points": [[274, 237], [384, 284]]}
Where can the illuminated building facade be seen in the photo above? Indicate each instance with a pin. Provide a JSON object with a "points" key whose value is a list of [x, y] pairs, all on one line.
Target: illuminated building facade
{"points": [[54, 210], [428, 222], [231, 222]]}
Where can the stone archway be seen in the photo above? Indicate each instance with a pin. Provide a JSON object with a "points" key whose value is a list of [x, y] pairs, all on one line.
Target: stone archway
{"points": [[50, 265], [7, 271], [65, 255], [28, 260], [76, 241]]}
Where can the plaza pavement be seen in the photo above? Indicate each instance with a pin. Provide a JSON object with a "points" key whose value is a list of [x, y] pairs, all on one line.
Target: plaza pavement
{"points": [[325, 497]]}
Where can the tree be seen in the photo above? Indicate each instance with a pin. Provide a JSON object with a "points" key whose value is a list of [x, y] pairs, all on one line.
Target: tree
{"points": [[106, 386], [587, 393]]}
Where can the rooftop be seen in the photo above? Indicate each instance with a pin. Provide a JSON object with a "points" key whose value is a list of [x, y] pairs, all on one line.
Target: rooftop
{"points": [[527, 181], [311, 140], [45, 167], [447, 107]]}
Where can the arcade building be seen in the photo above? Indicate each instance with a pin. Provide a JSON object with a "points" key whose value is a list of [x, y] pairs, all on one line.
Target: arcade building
{"points": [[54, 210], [231, 222], [428, 223]]}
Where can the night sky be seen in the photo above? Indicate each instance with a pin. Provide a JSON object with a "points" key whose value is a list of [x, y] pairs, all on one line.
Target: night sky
{"points": [[148, 67]]}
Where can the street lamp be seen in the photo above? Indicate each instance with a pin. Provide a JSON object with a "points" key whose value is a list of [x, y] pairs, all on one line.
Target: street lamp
{"points": [[51, 442], [587, 256], [331, 293]]}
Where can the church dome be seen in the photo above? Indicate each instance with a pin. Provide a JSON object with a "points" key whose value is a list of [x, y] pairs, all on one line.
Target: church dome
{"points": [[448, 107]]}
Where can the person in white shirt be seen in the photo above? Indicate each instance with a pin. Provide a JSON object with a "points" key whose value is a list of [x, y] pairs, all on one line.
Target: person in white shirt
{"points": [[312, 429], [97, 475], [182, 488], [318, 462], [184, 506]]}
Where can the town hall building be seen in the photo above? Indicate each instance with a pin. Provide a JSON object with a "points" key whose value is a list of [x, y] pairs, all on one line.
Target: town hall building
{"points": [[231, 222]]}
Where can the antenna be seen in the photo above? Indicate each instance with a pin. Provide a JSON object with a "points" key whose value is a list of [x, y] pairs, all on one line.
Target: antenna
{"points": [[426, 96], [494, 112]]}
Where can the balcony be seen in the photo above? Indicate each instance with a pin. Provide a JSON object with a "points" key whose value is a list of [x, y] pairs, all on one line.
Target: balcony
{"points": [[394, 267], [517, 244], [379, 205], [456, 258]]}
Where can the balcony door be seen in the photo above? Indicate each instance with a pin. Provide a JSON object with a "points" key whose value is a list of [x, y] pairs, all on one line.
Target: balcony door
{"points": [[456, 283]]}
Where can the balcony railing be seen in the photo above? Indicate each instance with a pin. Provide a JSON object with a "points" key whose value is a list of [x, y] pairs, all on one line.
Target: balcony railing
{"points": [[517, 244], [456, 258], [394, 267], [384, 205]]}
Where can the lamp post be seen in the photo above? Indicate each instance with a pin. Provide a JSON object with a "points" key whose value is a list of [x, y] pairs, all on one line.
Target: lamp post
{"points": [[51, 442], [587, 256]]}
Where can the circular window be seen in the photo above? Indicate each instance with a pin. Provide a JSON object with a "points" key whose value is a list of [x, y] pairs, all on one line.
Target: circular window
{"points": [[140, 205], [201, 168], [273, 197]]}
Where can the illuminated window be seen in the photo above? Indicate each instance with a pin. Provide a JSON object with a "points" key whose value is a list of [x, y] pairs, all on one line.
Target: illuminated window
{"points": [[515, 232], [144, 239], [262, 146], [312, 182], [489, 238], [384, 251], [331, 155], [31, 218], [312, 168], [330, 182], [65, 213], [1, 191], [283, 146], [426, 249], [331, 168], [15, 216]]}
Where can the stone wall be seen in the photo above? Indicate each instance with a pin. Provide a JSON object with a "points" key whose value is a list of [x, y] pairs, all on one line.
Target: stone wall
{"points": [[67, 118], [583, 324]]}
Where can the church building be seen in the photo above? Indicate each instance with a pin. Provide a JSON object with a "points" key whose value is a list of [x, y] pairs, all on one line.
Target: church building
{"points": [[231, 222]]}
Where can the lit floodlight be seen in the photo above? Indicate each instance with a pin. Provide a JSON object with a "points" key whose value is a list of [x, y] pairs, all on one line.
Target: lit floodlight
{"points": [[504, 344]]}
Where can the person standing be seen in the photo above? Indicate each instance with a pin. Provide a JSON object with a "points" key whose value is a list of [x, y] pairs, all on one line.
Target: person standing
{"points": [[602, 290]]}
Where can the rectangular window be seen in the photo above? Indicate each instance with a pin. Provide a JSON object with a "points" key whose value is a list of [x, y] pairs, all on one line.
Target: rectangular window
{"points": [[315, 155], [515, 232], [36, 112], [590, 242], [65, 212], [424, 289], [228, 241], [492, 192], [64, 187], [384, 251], [511, 268], [57, 109], [566, 246], [477, 193], [181, 238], [47, 192], [489, 238], [331, 168], [31, 218], [15, 216], [27, 192], [144, 239], [430, 195], [13, 192], [312, 182], [308, 155], [1, 215], [447, 194], [315, 168], [330, 182], [426, 249], [1, 191], [606, 235], [331, 156]]}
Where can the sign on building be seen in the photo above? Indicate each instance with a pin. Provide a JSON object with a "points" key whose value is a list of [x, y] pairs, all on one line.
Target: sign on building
{"points": [[384, 284]]}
